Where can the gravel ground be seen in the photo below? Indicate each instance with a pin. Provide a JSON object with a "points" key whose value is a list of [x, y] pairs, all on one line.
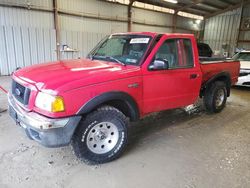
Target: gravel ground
{"points": [[177, 148]]}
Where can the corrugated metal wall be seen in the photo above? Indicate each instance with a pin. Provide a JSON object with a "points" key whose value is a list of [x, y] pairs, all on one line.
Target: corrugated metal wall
{"points": [[92, 8], [25, 18], [223, 29], [244, 36], [189, 24], [83, 42], [152, 18], [22, 46], [36, 3], [28, 37]]}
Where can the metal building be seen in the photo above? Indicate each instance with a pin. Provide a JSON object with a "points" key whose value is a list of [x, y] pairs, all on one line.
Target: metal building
{"points": [[34, 31]]}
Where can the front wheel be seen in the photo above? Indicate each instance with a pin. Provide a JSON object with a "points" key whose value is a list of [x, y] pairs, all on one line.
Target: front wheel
{"points": [[102, 136], [215, 97]]}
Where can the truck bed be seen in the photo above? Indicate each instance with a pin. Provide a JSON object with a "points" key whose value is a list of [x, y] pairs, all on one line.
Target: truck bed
{"points": [[213, 66], [211, 59]]}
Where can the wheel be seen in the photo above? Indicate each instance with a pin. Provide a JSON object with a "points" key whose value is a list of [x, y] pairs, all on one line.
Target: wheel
{"points": [[102, 136], [215, 97]]}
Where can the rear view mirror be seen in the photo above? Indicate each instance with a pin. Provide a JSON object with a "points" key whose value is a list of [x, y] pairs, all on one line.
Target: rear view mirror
{"points": [[159, 64]]}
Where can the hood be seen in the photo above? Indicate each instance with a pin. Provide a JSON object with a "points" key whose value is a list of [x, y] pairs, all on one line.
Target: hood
{"points": [[61, 75]]}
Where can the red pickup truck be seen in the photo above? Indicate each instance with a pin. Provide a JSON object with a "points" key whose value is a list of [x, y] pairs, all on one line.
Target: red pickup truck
{"points": [[89, 102]]}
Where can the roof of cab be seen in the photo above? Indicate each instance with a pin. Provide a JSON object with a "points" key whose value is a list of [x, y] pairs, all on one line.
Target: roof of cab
{"points": [[152, 34], [245, 51]]}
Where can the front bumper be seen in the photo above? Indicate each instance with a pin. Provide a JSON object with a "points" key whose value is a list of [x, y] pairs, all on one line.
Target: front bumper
{"points": [[46, 131], [244, 78]]}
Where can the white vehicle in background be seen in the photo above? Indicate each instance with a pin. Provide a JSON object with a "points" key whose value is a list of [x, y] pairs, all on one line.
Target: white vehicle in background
{"points": [[244, 58]]}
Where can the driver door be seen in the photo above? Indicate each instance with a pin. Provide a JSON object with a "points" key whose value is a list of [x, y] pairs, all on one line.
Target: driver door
{"points": [[176, 86]]}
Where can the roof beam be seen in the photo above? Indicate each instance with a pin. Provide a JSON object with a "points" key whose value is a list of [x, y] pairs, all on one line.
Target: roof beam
{"points": [[227, 2], [212, 5], [160, 3], [194, 2], [180, 6], [196, 12], [204, 9], [130, 15], [229, 8]]}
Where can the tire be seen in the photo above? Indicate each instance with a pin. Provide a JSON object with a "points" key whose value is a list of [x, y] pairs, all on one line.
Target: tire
{"points": [[102, 136], [215, 97]]}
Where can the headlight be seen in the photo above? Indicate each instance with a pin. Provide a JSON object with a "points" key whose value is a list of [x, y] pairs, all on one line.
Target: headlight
{"points": [[49, 103]]}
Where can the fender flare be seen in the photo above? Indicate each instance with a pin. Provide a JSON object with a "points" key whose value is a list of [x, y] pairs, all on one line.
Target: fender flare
{"points": [[97, 101], [218, 76]]}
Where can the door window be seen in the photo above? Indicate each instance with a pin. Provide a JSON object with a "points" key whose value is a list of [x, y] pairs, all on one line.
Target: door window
{"points": [[178, 53], [187, 52]]}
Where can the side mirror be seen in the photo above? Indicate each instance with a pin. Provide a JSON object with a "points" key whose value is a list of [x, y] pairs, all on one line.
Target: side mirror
{"points": [[159, 64]]}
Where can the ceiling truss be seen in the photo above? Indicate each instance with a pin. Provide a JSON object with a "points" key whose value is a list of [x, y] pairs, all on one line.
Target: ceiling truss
{"points": [[206, 8]]}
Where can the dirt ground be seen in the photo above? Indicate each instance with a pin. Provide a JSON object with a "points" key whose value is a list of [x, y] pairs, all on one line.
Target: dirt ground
{"points": [[177, 148]]}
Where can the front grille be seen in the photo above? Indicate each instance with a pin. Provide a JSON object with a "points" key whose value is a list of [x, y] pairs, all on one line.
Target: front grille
{"points": [[21, 93], [243, 74], [246, 84]]}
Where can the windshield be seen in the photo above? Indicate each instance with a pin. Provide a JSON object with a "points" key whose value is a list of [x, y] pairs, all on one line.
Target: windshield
{"points": [[123, 49], [242, 56]]}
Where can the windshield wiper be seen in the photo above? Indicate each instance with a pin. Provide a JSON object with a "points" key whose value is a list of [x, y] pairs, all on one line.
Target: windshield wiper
{"points": [[107, 57], [90, 57], [116, 60]]}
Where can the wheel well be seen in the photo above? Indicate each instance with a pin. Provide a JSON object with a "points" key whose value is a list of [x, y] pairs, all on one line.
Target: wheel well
{"points": [[122, 101], [225, 78], [124, 107]]}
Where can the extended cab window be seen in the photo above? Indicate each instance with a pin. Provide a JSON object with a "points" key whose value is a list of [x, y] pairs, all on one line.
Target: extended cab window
{"points": [[187, 52], [177, 52]]}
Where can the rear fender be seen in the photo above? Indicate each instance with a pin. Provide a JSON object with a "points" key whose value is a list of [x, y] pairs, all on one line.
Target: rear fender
{"points": [[223, 76]]}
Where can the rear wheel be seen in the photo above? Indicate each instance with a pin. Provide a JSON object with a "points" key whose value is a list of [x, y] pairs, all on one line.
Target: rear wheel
{"points": [[102, 136], [215, 97]]}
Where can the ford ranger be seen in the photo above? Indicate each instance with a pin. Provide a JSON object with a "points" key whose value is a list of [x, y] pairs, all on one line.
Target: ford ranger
{"points": [[90, 102]]}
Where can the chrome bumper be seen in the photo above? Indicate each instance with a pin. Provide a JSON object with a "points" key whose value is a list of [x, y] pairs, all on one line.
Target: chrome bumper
{"points": [[47, 131]]}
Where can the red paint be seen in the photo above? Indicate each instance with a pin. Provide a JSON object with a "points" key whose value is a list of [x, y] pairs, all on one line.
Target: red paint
{"points": [[208, 70], [78, 81], [5, 91]]}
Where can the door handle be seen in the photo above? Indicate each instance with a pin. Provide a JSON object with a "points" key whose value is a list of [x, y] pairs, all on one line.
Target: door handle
{"points": [[193, 76]]}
